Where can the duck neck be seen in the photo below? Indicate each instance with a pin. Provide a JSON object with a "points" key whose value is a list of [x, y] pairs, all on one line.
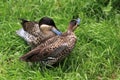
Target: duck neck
{"points": [[69, 31]]}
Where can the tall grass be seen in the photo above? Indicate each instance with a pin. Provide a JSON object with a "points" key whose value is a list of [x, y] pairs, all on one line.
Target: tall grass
{"points": [[96, 55]]}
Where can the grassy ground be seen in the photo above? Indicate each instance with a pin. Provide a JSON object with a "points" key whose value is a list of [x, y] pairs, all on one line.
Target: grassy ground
{"points": [[96, 55]]}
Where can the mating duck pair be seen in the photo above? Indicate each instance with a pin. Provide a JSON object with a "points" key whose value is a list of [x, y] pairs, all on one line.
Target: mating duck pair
{"points": [[54, 49], [35, 33]]}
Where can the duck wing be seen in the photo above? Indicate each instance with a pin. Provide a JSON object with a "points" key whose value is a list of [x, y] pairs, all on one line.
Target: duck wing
{"points": [[33, 40], [51, 48], [30, 26]]}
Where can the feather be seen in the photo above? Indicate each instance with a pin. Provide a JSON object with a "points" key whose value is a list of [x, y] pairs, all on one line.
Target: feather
{"points": [[54, 49], [35, 33]]}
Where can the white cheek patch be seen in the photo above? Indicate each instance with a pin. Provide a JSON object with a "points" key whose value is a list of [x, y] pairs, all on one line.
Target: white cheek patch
{"points": [[45, 27]]}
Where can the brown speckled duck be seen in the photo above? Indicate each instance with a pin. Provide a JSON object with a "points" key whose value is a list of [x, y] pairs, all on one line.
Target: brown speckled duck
{"points": [[35, 33], [54, 49]]}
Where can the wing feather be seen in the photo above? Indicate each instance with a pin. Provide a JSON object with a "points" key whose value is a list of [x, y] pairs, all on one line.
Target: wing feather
{"points": [[47, 49]]}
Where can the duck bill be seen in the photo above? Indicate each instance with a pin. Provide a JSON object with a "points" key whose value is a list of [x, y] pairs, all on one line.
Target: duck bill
{"points": [[78, 21], [56, 31]]}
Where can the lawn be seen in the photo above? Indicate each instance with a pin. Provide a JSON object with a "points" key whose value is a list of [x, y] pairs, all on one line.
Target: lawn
{"points": [[96, 55]]}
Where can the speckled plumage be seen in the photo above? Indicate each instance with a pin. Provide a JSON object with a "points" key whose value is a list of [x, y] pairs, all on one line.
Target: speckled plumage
{"points": [[54, 49], [34, 33]]}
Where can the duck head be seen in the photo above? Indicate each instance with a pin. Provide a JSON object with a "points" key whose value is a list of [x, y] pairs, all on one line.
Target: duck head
{"points": [[73, 25], [47, 21], [50, 22]]}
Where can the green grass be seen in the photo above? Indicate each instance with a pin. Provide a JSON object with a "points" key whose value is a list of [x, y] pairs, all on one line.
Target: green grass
{"points": [[96, 55]]}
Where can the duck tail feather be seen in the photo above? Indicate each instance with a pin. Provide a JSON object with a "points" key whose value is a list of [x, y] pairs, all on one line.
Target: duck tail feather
{"points": [[21, 33], [23, 20], [25, 35]]}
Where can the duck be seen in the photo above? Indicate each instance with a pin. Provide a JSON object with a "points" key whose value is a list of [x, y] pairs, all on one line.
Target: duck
{"points": [[34, 33], [55, 49]]}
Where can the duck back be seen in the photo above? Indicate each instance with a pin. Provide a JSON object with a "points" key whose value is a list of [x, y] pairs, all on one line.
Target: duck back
{"points": [[51, 51]]}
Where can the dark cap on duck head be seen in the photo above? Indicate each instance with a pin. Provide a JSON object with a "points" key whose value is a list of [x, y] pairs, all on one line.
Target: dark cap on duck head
{"points": [[47, 21]]}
